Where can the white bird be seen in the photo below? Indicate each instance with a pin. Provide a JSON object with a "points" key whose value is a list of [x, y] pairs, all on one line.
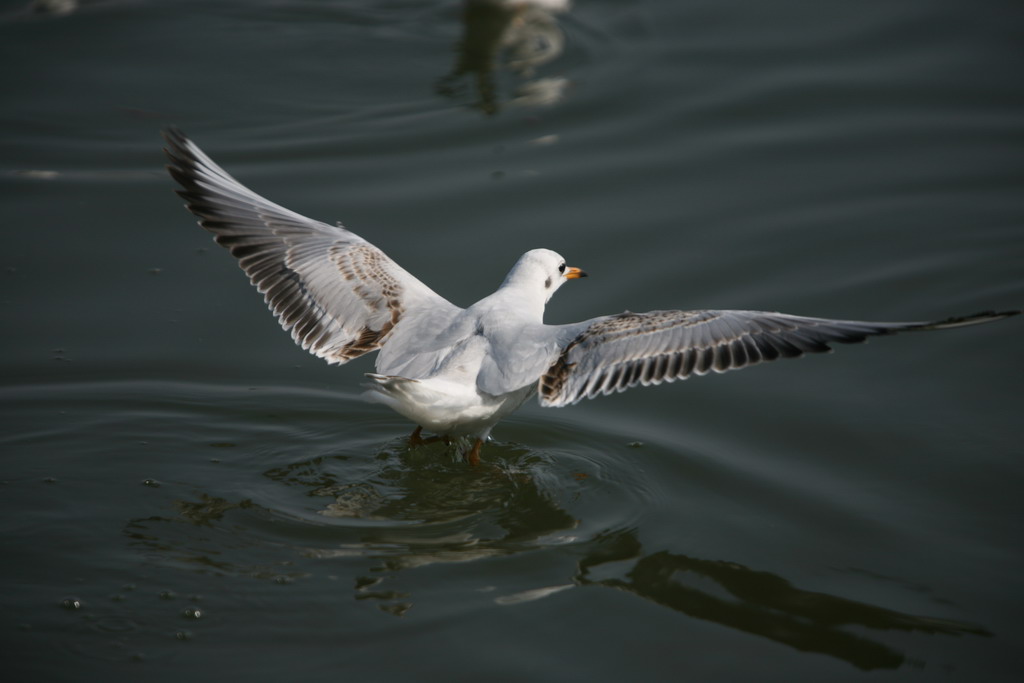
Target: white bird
{"points": [[457, 372]]}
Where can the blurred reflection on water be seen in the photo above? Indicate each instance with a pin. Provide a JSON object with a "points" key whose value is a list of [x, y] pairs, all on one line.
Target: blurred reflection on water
{"points": [[410, 509], [516, 35], [760, 603], [54, 7]]}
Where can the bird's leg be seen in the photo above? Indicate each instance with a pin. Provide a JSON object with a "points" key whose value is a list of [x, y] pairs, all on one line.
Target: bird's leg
{"points": [[416, 440], [473, 456]]}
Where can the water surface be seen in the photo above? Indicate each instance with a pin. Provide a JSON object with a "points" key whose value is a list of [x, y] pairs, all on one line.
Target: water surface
{"points": [[188, 493]]}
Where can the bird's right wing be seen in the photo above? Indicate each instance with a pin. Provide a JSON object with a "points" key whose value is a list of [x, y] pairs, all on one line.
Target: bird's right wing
{"points": [[336, 293], [613, 353]]}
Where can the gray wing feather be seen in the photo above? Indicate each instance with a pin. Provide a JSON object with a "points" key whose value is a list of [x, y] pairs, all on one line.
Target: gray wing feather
{"points": [[611, 354], [336, 293]]}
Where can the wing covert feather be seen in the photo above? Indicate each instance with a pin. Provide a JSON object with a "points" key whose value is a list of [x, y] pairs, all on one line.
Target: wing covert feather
{"points": [[336, 293], [614, 353]]}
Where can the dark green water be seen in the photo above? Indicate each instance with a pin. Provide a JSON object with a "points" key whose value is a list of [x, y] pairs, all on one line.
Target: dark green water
{"points": [[185, 493]]}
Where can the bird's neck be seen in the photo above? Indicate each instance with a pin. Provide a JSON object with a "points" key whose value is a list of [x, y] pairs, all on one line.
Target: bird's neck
{"points": [[514, 299]]}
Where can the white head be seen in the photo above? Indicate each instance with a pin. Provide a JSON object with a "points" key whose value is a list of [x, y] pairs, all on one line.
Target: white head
{"points": [[541, 270]]}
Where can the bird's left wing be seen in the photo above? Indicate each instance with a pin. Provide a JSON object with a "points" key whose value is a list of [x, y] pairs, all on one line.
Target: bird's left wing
{"points": [[336, 293], [613, 353]]}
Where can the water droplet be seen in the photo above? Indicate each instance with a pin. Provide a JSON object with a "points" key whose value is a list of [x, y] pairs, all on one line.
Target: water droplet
{"points": [[635, 444], [152, 483], [283, 580], [71, 603], [183, 635], [168, 595], [192, 613]]}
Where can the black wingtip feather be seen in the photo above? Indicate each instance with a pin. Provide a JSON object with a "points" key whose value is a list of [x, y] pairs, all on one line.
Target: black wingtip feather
{"points": [[966, 320]]}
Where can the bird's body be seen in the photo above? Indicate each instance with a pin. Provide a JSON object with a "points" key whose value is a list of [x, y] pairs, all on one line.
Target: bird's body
{"points": [[452, 373], [457, 372]]}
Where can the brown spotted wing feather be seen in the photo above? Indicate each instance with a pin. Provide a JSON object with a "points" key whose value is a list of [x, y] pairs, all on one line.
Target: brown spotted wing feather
{"points": [[615, 353], [336, 293]]}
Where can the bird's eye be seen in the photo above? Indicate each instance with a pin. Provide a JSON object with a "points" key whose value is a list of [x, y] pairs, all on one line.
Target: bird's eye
{"points": [[561, 268]]}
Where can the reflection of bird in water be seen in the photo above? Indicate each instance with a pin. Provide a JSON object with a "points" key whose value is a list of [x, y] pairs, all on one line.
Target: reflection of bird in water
{"points": [[440, 521], [760, 603], [458, 372], [526, 32]]}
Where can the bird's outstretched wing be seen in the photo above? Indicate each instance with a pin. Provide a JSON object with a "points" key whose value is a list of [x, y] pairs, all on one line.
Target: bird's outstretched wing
{"points": [[336, 293], [614, 353]]}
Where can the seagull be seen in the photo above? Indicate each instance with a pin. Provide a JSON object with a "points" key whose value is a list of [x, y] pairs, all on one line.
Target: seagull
{"points": [[457, 372]]}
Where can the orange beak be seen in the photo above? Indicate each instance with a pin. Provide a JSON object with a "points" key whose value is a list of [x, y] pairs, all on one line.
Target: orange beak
{"points": [[573, 273]]}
